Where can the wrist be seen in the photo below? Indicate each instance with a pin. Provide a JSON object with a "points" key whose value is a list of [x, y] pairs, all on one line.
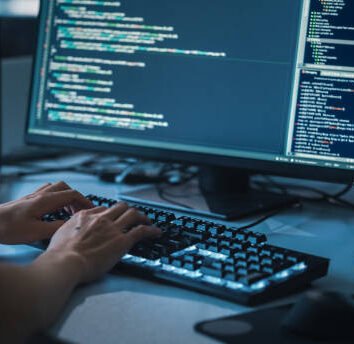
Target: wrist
{"points": [[69, 264], [3, 225]]}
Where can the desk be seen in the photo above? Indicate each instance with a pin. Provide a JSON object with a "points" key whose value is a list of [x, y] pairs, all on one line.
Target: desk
{"points": [[125, 309]]}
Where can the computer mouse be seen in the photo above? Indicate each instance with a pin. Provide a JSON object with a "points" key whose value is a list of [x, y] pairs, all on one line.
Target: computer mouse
{"points": [[322, 315]]}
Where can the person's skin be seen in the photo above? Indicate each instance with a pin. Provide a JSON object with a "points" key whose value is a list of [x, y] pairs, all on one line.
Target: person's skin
{"points": [[80, 251]]}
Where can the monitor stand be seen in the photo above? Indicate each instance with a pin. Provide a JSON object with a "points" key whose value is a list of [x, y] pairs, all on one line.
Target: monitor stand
{"points": [[221, 193]]}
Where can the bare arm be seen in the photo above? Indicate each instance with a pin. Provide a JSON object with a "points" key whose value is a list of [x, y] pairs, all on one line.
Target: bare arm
{"points": [[81, 250], [32, 296]]}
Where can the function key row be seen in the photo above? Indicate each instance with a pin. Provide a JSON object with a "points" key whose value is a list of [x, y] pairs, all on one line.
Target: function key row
{"points": [[192, 225]]}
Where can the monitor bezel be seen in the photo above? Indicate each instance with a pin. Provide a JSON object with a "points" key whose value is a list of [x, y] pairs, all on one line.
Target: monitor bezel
{"points": [[253, 166]]}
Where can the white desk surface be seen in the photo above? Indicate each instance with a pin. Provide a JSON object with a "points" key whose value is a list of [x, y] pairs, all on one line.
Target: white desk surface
{"points": [[125, 309]]}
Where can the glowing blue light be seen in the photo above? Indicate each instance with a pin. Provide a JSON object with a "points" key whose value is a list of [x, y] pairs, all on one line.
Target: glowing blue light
{"points": [[204, 253], [178, 254], [194, 274], [138, 260], [153, 263], [214, 280], [217, 256], [168, 268], [282, 275], [234, 285], [180, 271], [191, 249], [299, 267], [259, 285], [127, 258]]}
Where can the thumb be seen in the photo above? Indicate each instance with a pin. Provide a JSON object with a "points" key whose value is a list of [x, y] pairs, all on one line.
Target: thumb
{"points": [[143, 232], [45, 230]]}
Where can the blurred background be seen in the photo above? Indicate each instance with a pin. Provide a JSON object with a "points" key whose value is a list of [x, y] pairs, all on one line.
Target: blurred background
{"points": [[24, 8], [18, 28]]}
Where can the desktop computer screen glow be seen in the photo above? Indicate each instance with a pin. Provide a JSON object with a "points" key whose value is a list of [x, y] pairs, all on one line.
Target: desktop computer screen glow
{"points": [[265, 80]]}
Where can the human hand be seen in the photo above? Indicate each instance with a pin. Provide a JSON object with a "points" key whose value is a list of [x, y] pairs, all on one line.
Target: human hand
{"points": [[21, 220], [99, 237]]}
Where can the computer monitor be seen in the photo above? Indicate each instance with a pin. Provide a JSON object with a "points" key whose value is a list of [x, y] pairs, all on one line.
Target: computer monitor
{"points": [[236, 86]]}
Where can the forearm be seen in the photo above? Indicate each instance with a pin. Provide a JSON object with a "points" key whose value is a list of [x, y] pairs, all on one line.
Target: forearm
{"points": [[32, 296]]}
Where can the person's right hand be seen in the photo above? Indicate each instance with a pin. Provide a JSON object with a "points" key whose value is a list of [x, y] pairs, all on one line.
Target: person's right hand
{"points": [[99, 237]]}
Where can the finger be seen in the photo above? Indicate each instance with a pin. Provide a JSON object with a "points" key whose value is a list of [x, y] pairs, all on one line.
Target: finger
{"points": [[132, 218], [52, 201], [59, 186], [116, 211], [39, 190], [142, 233], [42, 188], [96, 210], [62, 186]]}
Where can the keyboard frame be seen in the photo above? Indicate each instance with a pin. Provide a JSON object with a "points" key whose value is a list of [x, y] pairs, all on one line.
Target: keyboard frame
{"points": [[284, 281], [316, 269]]}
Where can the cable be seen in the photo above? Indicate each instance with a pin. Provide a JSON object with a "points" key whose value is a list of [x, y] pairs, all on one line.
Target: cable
{"points": [[162, 195], [265, 218], [259, 221], [324, 196], [344, 191], [186, 174]]}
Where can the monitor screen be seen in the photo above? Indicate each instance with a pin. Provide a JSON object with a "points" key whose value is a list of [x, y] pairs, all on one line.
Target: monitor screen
{"points": [[248, 80]]}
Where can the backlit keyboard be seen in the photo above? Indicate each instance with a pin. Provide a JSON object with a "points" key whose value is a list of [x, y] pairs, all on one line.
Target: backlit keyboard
{"points": [[235, 264]]}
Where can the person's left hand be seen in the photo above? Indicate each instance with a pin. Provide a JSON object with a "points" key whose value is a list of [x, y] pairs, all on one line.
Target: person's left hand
{"points": [[21, 220]]}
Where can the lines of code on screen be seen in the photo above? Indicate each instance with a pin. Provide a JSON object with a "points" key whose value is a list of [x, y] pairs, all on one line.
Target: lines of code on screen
{"points": [[104, 27], [325, 116], [201, 73]]}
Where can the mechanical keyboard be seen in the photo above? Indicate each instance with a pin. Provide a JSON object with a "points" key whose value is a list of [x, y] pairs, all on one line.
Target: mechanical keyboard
{"points": [[234, 264]]}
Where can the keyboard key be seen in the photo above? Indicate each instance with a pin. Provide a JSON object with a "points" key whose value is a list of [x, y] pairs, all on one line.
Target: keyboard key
{"points": [[242, 272], [267, 261], [177, 262], [202, 245], [191, 266], [241, 255], [242, 235], [240, 245], [266, 251], [228, 268], [227, 251], [206, 270], [253, 249], [196, 235], [253, 259], [279, 256], [179, 222], [165, 217], [203, 226], [213, 248], [230, 276], [241, 264], [216, 230], [254, 267], [166, 260], [257, 238]]}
